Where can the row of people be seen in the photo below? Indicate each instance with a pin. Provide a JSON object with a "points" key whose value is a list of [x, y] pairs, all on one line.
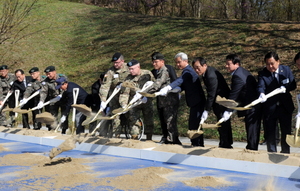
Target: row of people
{"points": [[244, 89]]}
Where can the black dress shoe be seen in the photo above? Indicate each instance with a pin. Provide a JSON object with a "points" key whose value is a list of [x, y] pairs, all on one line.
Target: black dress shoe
{"points": [[164, 140]]}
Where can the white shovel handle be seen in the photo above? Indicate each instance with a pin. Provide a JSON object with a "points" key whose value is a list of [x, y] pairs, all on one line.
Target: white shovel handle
{"points": [[5, 99], [75, 96], [272, 93]]}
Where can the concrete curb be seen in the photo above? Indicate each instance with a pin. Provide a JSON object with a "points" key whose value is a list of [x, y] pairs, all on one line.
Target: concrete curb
{"points": [[285, 171]]}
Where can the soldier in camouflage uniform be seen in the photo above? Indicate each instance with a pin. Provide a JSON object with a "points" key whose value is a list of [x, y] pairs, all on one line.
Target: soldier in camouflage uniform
{"points": [[32, 87], [113, 77], [139, 77], [7, 80], [167, 106], [48, 92]]}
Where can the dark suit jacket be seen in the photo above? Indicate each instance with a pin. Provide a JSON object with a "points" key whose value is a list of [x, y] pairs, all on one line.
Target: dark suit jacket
{"points": [[190, 83], [267, 83], [243, 88], [68, 95], [215, 85], [20, 86]]}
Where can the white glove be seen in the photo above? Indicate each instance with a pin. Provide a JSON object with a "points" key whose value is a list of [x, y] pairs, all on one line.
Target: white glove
{"points": [[63, 119], [56, 99], [283, 89], [144, 100], [23, 101], [298, 115], [164, 91], [148, 84], [103, 105], [40, 105], [226, 115], [119, 86], [204, 115], [136, 97], [263, 98]]}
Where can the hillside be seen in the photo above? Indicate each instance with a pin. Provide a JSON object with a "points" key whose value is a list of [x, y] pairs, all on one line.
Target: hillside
{"points": [[80, 39]]}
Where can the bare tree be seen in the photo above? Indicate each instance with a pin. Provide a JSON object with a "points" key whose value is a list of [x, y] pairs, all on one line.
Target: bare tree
{"points": [[12, 19]]}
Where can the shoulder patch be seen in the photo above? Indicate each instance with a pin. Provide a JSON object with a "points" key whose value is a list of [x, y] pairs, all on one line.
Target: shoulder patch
{"points": [[29, 84], [61, 75], [43, 83]]}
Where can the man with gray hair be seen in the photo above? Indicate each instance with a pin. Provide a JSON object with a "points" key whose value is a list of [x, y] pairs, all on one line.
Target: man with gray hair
{"points": [[194, 94]]}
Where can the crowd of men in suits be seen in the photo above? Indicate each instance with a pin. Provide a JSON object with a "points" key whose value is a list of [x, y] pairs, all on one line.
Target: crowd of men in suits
{"points": [[244, 89]]}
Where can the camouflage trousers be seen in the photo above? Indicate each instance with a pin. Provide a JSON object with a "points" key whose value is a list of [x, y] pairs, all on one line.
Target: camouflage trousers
{"points": [[116, 123], [135, 113]]}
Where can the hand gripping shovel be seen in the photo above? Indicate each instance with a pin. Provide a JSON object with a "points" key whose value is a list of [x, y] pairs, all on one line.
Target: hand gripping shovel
{"points": [[29, 98], [5, 99], [18, 110], [257, 101], [293, 140], [73, 128], [94, 118], [192, 134], [175, 90]]}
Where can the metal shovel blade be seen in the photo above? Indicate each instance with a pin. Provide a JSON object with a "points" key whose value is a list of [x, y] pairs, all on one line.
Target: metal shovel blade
{"points": [[129, 85], [293, 140], [147, 94], [7, 109], [240, 108], [210, 126], [83, 109], [119, 110], [19, 110], [107, 117], [192, 134]]}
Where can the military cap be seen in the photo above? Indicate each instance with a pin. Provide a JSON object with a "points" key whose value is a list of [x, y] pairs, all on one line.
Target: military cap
{"points": [[60, 81], [157, 56], [116, 56], [34, 69], [3, 67], [132, 62], [49, 69]]}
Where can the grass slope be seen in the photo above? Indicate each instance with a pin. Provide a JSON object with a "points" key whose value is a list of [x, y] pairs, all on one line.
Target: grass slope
{"points": [[80, 39]]}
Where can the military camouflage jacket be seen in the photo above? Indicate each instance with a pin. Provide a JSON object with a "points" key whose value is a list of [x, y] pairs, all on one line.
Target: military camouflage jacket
{"points": [[33, 86], [111, 79], [163, 80], [5, 85], [139, 81], [48, 90]]}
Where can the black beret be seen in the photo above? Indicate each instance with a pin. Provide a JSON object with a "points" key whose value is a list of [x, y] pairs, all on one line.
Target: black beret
{"points": [[157, 56], [49, 69], [34, 69], [116, 56], [3, 67], [132, 63]]}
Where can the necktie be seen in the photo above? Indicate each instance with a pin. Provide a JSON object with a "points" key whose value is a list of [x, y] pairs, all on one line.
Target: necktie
{"points": [[275, 75], [24, 83]]}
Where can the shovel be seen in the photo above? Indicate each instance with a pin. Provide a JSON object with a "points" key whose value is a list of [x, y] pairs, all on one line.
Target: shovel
{"points": [[30, 97], [257, 101], [213, 126], [293, 140], [73, 128], [94, 118], [192, 134], [85, 110], [5, 99], [17, 95], [175, 90]]}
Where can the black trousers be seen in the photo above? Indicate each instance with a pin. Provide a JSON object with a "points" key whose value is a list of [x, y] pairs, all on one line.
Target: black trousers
{"points": [[54, 110], [253, 125], [285, 123], [194, 120], [225, 131]]}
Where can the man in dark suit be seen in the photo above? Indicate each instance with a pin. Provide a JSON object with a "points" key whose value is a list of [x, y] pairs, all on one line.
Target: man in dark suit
{"points": [[279, 107], [20, 84], [215, 84], [194, 94], [244, 91], [68, 87]]}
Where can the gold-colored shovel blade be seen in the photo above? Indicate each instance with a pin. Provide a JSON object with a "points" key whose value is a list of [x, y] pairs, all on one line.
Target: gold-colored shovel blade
{"points": [[107, 117], [129, 85], [119, 110], [292, 141], [7, 109], [83, 109], [192, 134], [88, 120], [45, 117], [147, 94], [19, 110], [210, 126], [240, 108], [226, 102]]}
